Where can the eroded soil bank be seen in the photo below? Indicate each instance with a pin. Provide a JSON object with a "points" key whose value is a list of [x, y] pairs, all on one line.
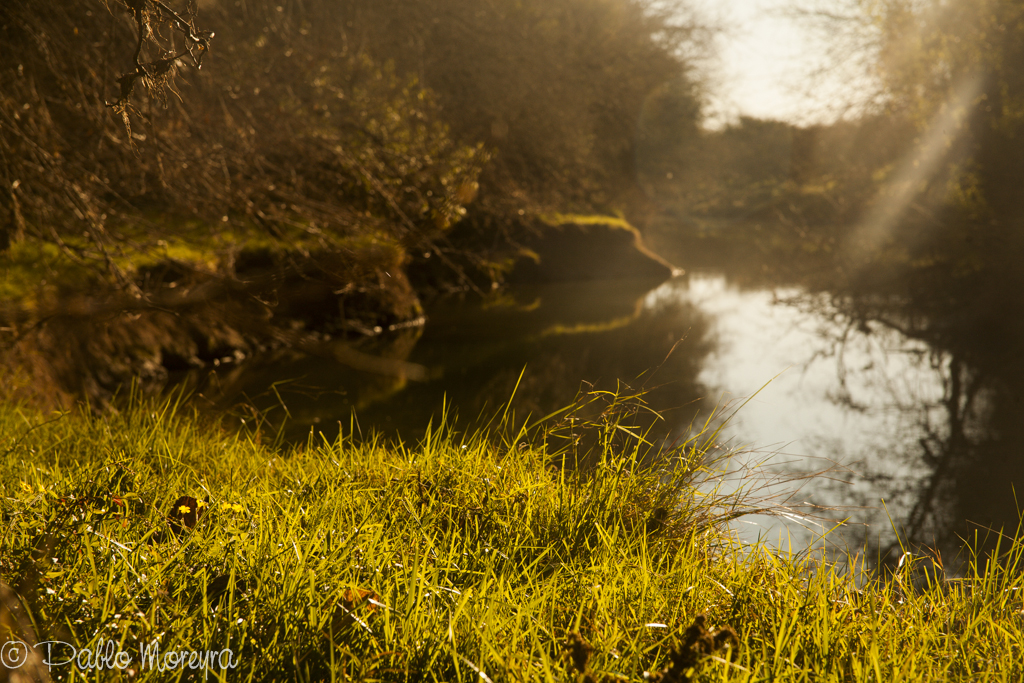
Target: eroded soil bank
{"points": [[360, 310], [91, 344]]}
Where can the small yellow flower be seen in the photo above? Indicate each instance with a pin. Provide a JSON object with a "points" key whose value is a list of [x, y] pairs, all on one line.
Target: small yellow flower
{"points": [[235, 507], [184, 509], [200, 503]]}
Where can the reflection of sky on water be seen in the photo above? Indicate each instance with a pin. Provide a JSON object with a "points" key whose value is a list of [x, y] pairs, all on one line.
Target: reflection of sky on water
{"points": [[823, 394]]}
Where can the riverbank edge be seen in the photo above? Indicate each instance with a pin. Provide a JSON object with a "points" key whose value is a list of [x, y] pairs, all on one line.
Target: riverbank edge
{"points": [[465, 554], [64, 341], [67, 334]]}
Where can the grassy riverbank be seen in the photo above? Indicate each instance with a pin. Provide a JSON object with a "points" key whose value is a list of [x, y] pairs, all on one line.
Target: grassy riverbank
{"points": [[460, 558]]}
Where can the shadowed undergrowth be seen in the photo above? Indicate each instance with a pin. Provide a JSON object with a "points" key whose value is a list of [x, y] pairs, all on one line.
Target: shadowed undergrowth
{"points": [[463, 557]]}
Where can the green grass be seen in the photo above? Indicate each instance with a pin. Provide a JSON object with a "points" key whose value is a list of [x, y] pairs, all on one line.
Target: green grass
{"points": [[37, 276], [460, 558]]}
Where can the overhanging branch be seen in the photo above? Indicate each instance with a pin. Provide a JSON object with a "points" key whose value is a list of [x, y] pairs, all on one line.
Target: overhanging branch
{"points": [[155, 72]]}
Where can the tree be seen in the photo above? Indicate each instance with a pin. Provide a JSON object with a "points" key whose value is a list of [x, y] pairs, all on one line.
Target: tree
{"points": [[557, 87], [968, 57], [307, 152]]}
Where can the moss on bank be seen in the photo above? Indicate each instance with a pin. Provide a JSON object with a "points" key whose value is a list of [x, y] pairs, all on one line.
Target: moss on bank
{"points": [[458, 558], [68, 334]]}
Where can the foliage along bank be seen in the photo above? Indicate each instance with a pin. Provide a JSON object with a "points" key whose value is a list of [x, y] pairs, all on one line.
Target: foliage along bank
{"points": [[320, 155]]}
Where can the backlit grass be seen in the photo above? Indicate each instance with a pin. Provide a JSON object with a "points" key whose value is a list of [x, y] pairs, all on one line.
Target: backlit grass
{"points": [[464, 557]]}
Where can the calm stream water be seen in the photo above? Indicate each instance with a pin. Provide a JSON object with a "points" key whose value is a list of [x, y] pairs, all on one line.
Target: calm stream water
{"points": [[904, 431]]}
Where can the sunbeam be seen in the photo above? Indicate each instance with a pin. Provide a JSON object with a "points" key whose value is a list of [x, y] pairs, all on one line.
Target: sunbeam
{"points": [[918, 169]]}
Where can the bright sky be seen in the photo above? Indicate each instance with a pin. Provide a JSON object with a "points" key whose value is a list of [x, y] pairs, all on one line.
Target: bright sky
{"points": [[767, 62]]}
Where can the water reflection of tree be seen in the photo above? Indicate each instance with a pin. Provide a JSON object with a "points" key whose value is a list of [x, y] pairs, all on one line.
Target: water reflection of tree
{"points": [[975, 454], [560, 358], [969, 440], [958, 285], [561, 337]]}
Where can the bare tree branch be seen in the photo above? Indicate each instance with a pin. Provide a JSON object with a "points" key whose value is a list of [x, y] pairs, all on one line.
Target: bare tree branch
{"points": [[155, 73]]}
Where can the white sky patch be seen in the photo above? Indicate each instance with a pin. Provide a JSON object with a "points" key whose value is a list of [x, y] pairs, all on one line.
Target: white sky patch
{"points": [[773, 65]]}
